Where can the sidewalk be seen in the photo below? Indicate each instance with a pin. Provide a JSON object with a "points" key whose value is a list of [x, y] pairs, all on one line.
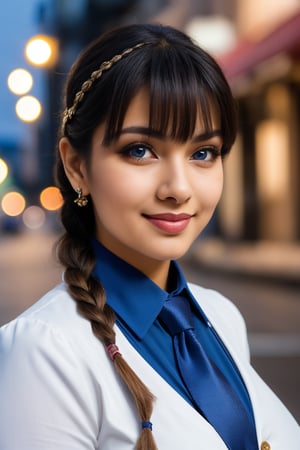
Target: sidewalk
{"points": [[264, 259]]}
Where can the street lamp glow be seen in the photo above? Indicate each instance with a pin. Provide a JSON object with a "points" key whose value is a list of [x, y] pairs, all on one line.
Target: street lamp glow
{"points": [[20, 81], [41, 50], [3, 170], [28, 108], [13, 204], [215, 33], [51, 198]]}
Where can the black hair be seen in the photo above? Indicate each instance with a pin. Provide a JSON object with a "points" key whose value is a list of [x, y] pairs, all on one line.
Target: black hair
{"points": [[183, 81]]}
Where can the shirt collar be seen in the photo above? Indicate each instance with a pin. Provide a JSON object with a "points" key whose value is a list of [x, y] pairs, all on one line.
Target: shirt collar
{"points": [[135, 298]]}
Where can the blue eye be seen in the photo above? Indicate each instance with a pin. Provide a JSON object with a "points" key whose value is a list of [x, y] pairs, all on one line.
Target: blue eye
{"points": [[200, 155], [137, 152], [206, 154]]}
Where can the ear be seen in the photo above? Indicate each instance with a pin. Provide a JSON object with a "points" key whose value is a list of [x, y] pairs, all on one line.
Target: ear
{"points": [[74, 165]]}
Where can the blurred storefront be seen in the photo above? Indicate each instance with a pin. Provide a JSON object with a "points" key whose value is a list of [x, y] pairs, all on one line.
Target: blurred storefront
{"points": [[261, 198]]}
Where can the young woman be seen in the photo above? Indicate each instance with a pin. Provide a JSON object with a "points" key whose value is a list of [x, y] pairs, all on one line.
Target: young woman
{"points": [[103, 361]]}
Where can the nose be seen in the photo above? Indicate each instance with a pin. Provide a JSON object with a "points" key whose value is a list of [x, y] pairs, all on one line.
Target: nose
{"points": [[175, 184]]}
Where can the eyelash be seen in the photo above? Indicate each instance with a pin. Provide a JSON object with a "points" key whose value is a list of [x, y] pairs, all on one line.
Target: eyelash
{"points": [[215, 152], [126, 152]]}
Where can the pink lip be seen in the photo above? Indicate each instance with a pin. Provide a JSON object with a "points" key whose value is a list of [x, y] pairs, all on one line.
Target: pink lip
{"points": [[169, 222]]}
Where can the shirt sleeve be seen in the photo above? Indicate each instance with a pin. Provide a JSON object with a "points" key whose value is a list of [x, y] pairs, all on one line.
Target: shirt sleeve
{"points": [[47, 400]]}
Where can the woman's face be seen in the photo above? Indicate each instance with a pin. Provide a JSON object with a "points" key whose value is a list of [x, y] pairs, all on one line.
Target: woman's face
{"points": [[152, 195]]}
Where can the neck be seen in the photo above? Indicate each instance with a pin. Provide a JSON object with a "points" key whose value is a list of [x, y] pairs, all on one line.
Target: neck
{"points": [[157, 271]]}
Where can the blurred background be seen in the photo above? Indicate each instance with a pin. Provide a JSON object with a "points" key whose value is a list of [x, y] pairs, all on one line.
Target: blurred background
{"points": [[251, 249]]}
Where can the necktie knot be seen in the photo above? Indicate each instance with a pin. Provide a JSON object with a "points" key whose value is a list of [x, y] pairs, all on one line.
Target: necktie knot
{"points": [[176, 315]]}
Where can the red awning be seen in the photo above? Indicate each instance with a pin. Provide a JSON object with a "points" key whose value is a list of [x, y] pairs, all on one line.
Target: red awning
{"points": [[247, 55]]}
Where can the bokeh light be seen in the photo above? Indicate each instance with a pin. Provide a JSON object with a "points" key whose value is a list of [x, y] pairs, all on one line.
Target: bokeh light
{"points": [[51, 198], [41, 50], [13, 204], [214, 33], [20, 81], [34, 217], [28, 108], [3, 170]]}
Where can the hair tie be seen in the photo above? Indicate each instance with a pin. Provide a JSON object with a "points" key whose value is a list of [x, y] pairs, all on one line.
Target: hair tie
{"points": [[147, 425], [112, 350]]}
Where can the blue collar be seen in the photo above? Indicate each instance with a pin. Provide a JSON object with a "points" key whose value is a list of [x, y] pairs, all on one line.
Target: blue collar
{"points": [[135, 298]]}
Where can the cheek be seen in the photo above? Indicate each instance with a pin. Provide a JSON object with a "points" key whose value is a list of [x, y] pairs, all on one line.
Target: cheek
{"points": [[210, 189], [118, 188], [219, 187]]}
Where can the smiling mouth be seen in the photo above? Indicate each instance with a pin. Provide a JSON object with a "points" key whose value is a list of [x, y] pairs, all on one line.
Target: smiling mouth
{"points": [[169, 222]]}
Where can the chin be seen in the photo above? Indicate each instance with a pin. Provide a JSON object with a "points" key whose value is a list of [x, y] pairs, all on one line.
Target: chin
{"points": [[175, 252]]}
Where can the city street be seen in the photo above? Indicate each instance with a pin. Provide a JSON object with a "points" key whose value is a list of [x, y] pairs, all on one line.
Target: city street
{"points": [[271, 310]]}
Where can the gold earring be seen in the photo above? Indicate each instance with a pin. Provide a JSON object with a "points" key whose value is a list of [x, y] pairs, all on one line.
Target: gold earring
{"points": [[81, 200]]}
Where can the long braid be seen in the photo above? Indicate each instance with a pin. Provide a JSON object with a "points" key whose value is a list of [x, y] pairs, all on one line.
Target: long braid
{"points": [[75, 253]]}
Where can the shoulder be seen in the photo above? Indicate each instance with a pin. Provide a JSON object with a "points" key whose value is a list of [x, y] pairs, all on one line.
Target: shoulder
{"points": [[51, 344], [49, 325], [51, 305], [55, 309], [224, 316], [49, 378]]}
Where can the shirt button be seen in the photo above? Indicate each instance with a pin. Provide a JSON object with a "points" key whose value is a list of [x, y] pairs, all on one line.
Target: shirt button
{"points": [[265, 446]]}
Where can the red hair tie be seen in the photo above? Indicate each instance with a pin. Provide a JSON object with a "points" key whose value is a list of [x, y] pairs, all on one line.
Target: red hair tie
{"points": [[112, 350]]}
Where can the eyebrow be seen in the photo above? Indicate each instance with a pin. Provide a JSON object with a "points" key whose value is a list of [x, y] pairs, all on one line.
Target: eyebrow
{"points": [[157, 134]]}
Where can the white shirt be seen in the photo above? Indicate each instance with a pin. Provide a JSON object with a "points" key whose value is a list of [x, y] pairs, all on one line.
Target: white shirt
{"points": [[60, 391]]}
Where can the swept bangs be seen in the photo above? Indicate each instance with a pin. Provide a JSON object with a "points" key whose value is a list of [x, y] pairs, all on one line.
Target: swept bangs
{"points": [[177, 96], [184, 87]]}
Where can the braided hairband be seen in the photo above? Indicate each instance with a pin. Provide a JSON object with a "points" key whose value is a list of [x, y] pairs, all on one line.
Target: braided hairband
{"points": [[86, 85]]}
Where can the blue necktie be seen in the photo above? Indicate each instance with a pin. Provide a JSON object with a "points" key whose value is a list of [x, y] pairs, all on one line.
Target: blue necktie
{"points": [[208, 387]]}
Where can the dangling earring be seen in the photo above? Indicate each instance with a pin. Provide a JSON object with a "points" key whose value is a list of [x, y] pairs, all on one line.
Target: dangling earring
{"points": [[81, 200]]}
